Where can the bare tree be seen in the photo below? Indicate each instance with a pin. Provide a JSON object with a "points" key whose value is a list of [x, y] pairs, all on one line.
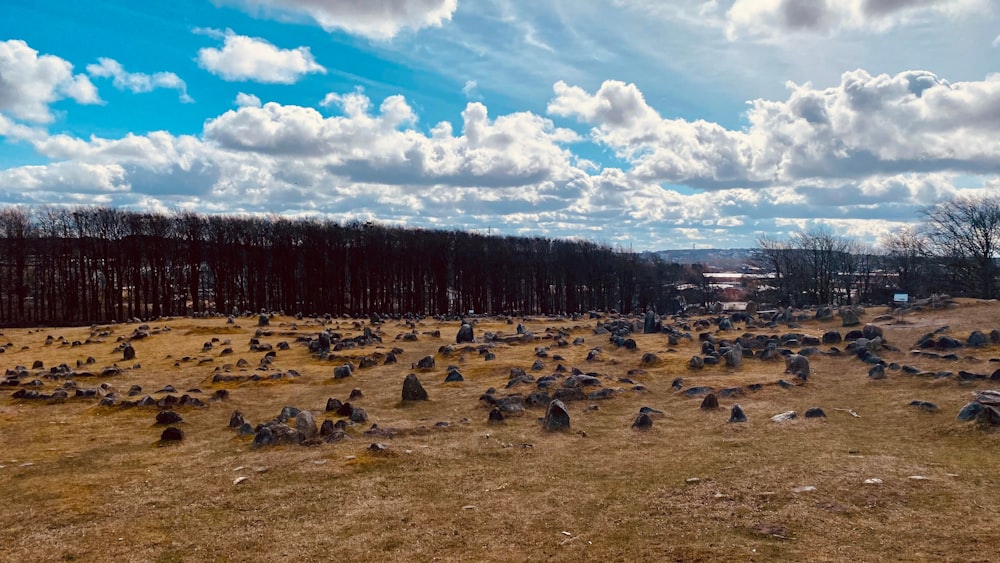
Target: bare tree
{"points": [[965, 234]]}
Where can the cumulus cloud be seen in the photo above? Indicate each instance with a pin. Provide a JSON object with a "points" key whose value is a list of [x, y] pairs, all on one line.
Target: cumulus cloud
{"points": [[867, 125], [353, 158], [138, 82], [375, 19], [30, 82], [383, 146], [244, 100], [769, 19], [243, 58]]}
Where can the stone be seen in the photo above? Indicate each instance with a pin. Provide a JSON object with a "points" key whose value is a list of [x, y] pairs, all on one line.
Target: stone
{"points": [[245, 429], [556, 417], [277, 433], [355, 395], [784, 417], [642, 422], [168, 417], [649, 325], [924, 405], [128, 353], [736, 414], [427, 362], [327, 428], [332, 404], [977, 339], [454, 376], [815, 412], [797, 365], [710, 402], [696, 362], [877, 371], [824, 313], [734, 356], [413, 390], [831, 337], [342, 372], [849, 317], [263, 320], [654, 413], [496, 416], [871, 332], [697, 391], [650, 358], [306, 424], [465, 334], [171, 434], [970, 411]]}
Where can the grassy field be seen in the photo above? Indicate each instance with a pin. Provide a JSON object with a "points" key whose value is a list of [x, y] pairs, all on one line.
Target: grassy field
{"points": [[82, 482]]}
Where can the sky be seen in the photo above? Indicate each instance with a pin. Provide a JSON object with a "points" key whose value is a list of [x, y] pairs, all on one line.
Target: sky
{"points": [[641, 124]]}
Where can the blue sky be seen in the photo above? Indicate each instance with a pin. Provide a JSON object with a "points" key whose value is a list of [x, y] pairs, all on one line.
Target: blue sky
{"points": [[639, 123]]}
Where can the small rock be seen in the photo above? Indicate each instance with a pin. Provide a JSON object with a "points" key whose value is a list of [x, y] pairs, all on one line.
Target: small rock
{"points": [[737, 414]]}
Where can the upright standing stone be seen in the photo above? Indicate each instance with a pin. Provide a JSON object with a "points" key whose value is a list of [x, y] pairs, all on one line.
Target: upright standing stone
{"points": [[737, 414], [556, 416], [465, 334], [413, 390]]}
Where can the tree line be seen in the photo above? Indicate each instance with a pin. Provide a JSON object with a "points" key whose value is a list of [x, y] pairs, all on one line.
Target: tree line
{"points": [[953, 250], [96, 264]]}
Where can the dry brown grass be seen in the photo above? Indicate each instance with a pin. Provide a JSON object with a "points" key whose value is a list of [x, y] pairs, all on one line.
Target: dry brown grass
{"points": [[99, 487]]}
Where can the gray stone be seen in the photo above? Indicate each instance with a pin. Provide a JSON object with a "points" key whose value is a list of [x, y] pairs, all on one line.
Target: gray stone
{"points": [[556, 416], [736, 414], [427, 362], [784, 417], [306, 424], [797, 365], [734, 356], [342, 372], [849, 317], [877, 371], [696, 362], [977, 339], [815, 412]]}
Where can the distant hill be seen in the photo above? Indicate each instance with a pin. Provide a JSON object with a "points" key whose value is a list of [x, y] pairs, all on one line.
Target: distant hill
{"points": [[716, 258]]}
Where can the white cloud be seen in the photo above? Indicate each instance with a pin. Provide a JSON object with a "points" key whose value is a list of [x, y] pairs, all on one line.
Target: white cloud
{"points": [[996, 42], [515, 149], [244, 100], [913, 121], [138, 82], [511, 172], [375, 19], [770, 19], [245, 58], [470, 90], [29, 83]]}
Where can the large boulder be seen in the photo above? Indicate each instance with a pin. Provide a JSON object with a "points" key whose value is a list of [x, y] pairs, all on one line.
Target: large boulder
{"points": [[413, 390], [649, 325], [306, 424], [465, 334], [556, 416], [849, 316], [977, 339], [734, 356]]}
